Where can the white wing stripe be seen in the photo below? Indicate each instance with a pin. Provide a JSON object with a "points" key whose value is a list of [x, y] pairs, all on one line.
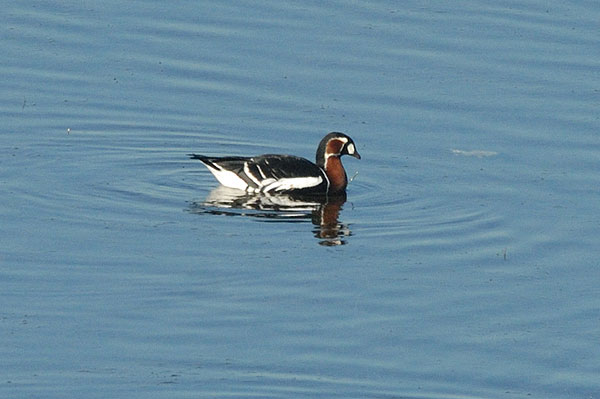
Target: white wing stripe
{"points": [[250, 175], [261, 172]]}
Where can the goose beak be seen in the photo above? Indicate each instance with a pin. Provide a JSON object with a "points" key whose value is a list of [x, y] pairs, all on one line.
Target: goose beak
{"points": [[350, 149]]}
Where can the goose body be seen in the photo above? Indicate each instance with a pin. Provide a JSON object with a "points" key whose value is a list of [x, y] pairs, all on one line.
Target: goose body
{"points": [[274, 173]]}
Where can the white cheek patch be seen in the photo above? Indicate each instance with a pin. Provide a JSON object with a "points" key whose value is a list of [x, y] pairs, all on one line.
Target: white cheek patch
{"points": [[350, 149]]}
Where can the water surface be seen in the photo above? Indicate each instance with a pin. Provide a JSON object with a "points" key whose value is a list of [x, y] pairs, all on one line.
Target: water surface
{"points": [[469, 264]]}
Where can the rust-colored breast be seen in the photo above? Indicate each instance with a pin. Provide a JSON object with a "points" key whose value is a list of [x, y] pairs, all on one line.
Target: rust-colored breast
{"points": [[336, 174]]}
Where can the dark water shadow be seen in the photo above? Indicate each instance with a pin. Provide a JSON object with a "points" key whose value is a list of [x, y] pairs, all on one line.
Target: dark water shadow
{"points": [[322, 211]]}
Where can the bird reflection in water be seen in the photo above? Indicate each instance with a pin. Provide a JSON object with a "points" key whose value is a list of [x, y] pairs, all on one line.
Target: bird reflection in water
{"points": [[322, 211]]}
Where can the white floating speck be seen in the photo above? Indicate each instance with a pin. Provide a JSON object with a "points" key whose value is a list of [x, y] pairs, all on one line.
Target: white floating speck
{"points": [[475, 153]]}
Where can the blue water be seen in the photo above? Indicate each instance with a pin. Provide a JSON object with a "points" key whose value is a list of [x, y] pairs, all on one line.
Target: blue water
{"points": [[463, 263]]}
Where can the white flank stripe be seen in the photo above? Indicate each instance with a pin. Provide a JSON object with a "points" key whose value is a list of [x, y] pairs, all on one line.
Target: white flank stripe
{"points": [[295, 183], [268, 181]]}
